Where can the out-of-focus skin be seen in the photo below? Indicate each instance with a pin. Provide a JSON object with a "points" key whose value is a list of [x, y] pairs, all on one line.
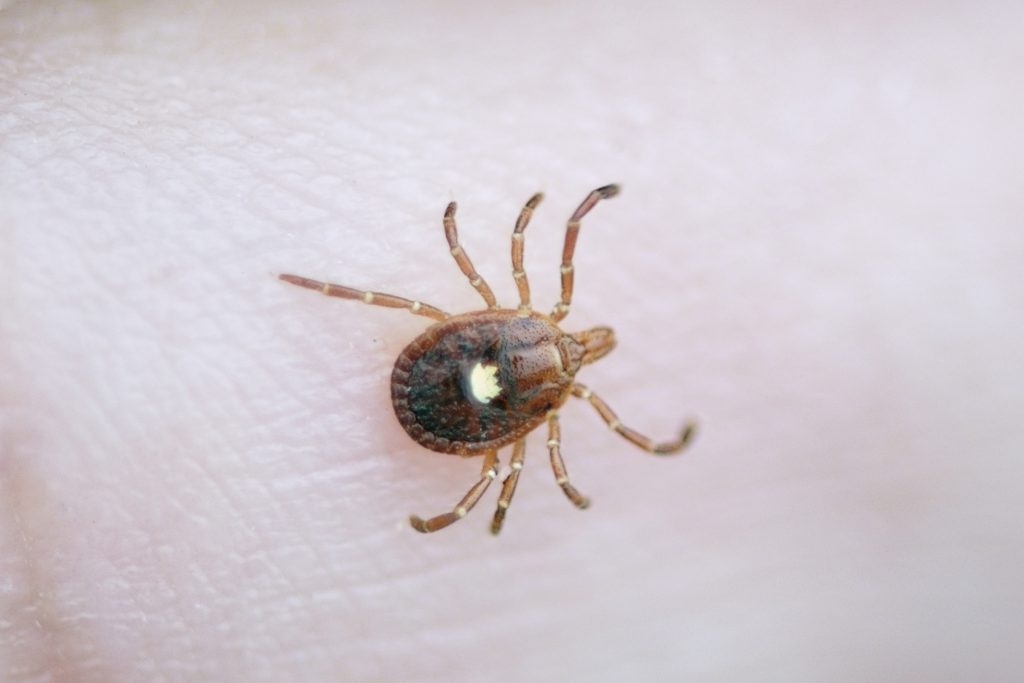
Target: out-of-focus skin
{"points": [[817, 251]]}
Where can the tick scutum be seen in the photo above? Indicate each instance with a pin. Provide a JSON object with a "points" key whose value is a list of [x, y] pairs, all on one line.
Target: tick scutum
{"points": [[481, 380]]}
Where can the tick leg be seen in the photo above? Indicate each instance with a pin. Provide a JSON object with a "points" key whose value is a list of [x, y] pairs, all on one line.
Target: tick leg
{"points": [[517, 251], [508, 487], [558, 465], [461, 258], [667, 448], [487, 474], [374, 298], [571, 233]]}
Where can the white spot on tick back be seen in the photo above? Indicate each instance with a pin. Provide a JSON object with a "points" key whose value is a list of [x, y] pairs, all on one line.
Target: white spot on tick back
{"points": [[556, 357], [483, 382]]}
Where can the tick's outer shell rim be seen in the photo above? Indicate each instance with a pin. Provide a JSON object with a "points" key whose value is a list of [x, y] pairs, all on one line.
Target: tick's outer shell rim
{"points": [[400, 378]]}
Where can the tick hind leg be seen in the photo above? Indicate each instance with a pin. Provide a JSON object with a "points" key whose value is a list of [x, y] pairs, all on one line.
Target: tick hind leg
{"points": [[372, 298], [508, 487], [631, 435], [487, 475], [558, 465]]}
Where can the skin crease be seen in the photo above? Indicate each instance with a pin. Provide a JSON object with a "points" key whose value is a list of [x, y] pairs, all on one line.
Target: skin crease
{"points": [[816, 252]]}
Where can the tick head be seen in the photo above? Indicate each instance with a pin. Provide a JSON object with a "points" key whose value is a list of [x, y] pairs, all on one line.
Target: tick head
{"points": [[596, 343]]}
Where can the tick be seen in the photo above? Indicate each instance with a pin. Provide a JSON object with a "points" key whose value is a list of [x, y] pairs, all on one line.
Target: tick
{"points": [[475, 382]]}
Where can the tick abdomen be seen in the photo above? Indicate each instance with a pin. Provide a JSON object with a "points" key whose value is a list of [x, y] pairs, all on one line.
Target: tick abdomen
{"points": [[479, 381]]}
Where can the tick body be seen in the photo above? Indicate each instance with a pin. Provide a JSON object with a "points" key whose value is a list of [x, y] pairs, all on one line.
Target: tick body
{"points": [[474, 383]]}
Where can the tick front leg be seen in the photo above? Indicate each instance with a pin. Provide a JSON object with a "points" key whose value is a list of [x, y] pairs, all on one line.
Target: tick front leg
{"points": [[372, 298], [631, 435], [451, 233], [487, 475], [572, 231], [558, 465], [508, 487]]}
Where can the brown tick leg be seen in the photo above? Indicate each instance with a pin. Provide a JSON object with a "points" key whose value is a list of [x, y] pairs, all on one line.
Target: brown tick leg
{"points": [[517, 252], [558, 465], [508, 487], [571, 233], [373, 298], [461, 258], [487, 475], [667, 448]]}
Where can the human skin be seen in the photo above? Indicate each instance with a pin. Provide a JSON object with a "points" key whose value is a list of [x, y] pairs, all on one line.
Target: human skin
{"points": [[817, 253]]}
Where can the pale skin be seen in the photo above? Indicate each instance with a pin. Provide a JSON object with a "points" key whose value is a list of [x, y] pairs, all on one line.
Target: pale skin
{"points": [[816, 252]]}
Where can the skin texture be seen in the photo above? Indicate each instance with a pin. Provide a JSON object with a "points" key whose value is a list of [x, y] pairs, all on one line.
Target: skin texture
{"points": [[817, 251]]}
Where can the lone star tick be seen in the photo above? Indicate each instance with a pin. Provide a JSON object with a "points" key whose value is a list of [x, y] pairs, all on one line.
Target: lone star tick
{"points": [[475, 382]]}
